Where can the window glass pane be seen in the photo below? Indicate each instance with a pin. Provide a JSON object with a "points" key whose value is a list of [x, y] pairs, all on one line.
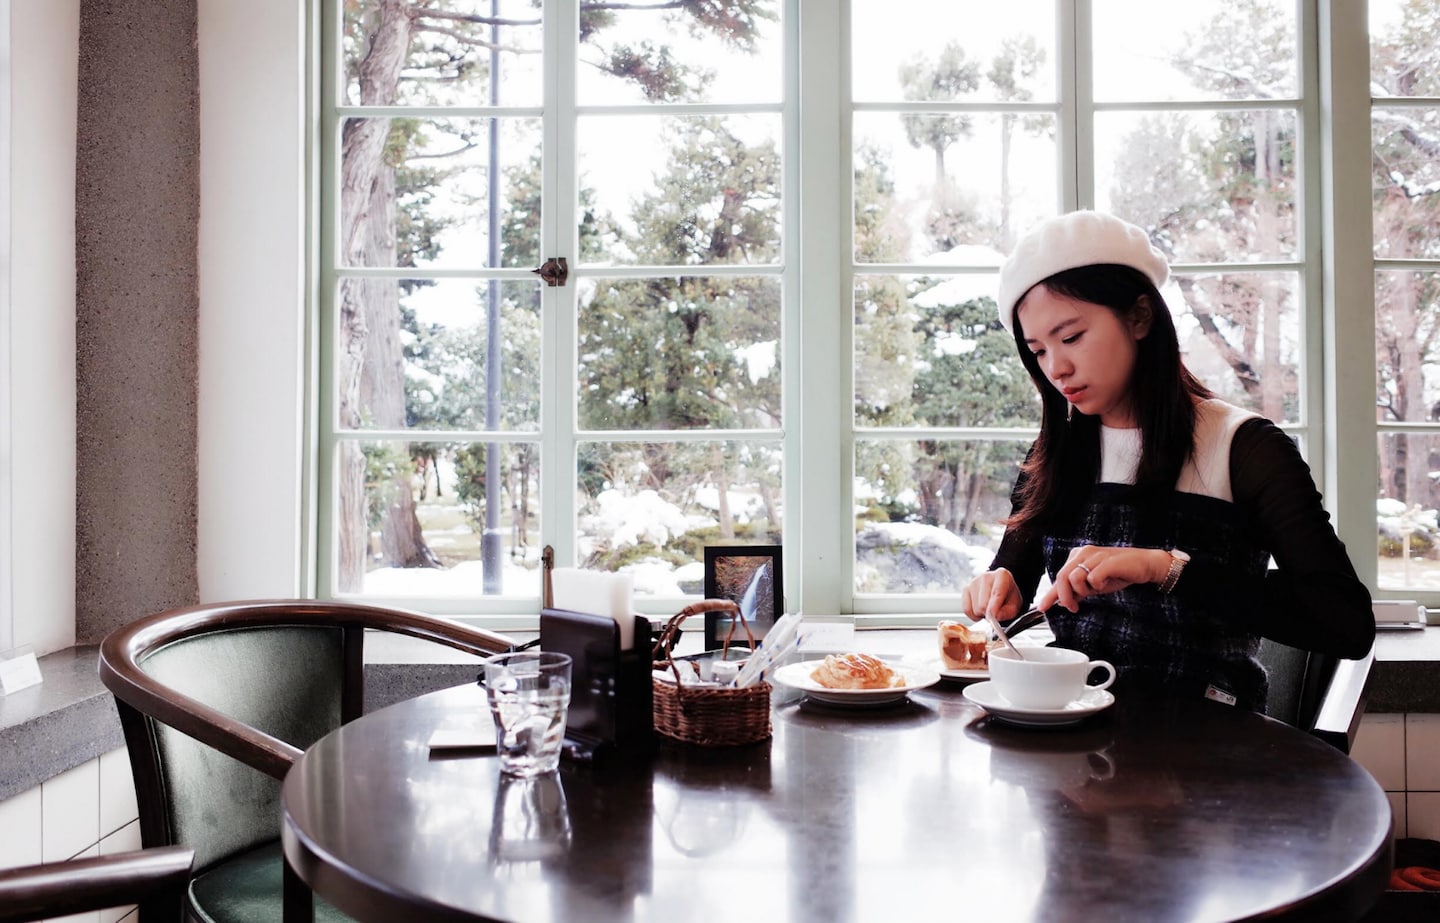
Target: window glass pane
{"points": [[1405, 512], [411, 517], [928, 514], [1404, 47], [697, 352], [1407, 326], [414, 192], [651, 508], [1240, 334], [421, 358], [1406, 177], [729, 52], [671, 190], [1210, 186], [1003, 52], [930, 351], [930, 187], [1200, 49], [425, 54]]}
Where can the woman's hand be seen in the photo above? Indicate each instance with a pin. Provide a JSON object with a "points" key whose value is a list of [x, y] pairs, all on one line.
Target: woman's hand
{"points": [[1092, 570], [992, 593]]}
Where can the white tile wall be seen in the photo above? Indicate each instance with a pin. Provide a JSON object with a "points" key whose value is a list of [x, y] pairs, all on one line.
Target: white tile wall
{"points": [[88, 811], [1422, 814], [1380, 748], [117, 793], [70, 806], [1422, 753], [1402, 752], [125, 839], [20, 819]]}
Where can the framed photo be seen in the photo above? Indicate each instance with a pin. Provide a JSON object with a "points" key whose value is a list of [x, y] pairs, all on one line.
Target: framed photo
{"points": [[749, 576]]}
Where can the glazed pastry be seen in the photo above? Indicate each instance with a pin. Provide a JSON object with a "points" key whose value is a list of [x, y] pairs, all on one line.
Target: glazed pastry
{"points": [[962, 647], [855, 671]]}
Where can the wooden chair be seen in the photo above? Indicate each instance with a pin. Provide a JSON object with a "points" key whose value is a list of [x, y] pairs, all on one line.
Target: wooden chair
{"points": [[216, 703], [1318, 693], [155, 879]]}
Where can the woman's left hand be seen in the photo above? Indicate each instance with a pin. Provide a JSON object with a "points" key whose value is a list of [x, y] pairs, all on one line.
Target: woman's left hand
{"points": [[1092, 570]]}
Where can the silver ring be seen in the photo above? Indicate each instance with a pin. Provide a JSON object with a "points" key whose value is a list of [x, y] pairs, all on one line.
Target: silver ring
{"points": [[1081, 565]]}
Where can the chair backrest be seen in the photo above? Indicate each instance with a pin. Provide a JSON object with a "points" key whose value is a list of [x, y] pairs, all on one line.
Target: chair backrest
{"points": [[218, 701], [285, 681], [1318, 693], [1297, 681], [153, 878]]}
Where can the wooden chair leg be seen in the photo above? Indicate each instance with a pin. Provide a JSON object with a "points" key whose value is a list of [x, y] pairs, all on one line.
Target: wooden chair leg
{"points": [[299, 903]]}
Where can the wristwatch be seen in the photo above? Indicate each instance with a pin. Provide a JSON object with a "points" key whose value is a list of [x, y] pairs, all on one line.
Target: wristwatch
{"points": [[1178, 560]]}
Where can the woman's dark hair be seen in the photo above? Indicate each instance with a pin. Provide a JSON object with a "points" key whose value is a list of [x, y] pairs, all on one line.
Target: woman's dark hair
{"points": [[1064, 463]]}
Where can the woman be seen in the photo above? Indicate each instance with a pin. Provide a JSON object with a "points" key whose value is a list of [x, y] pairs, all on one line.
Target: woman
{"points": [[1154, 507]]}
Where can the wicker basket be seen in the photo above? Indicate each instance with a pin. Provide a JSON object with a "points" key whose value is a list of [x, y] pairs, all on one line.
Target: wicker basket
{"points": [[707, 716]]}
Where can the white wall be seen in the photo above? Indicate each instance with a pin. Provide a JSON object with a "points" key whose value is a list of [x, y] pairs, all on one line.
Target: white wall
{"points": [[45, 41], [252, 278]]}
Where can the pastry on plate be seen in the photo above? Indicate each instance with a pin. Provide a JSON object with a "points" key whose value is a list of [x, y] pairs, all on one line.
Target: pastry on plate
{"points": [[855, 671], [963, 647]]}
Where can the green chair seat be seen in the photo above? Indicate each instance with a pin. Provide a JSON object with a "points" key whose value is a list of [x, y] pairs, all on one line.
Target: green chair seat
{"points": [[247, 889]]}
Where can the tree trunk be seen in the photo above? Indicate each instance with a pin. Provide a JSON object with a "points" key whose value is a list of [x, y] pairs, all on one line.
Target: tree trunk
{"points": [[722, 484], [1267, 160], [372, 365]]}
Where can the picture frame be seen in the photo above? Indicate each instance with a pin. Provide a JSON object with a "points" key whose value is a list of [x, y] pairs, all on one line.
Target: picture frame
{"points": [[752, 577]]}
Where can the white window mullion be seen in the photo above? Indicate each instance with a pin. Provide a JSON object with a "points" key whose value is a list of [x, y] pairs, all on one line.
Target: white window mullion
{"points": [[327, 204], [817, 416], [560, 236], [1077, 105], [1348, 293]]}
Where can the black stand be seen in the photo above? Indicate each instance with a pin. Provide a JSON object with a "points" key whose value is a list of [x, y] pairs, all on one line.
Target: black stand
{"points": [[611, 713]]}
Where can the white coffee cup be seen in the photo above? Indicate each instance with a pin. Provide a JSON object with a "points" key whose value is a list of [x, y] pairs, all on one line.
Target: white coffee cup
{"points": [[1046, 677]]}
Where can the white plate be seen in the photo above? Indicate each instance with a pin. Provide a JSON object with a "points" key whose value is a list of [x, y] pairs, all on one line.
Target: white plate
{"points": [[797, 676], [987, 697], [938, 665]]}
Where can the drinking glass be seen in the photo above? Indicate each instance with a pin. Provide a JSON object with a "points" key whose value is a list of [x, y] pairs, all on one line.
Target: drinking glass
{"points": [[529, 694]]}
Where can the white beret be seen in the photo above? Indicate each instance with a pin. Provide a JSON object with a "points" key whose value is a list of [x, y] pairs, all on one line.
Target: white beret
{"points": [[1079, 238]]}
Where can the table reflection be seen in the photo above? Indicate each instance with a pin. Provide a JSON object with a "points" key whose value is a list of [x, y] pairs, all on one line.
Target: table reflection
{"points": [[531, 820]]}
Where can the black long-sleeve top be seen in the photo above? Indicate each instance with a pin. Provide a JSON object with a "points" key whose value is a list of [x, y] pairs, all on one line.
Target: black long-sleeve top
{"points": [[1310, 599]]}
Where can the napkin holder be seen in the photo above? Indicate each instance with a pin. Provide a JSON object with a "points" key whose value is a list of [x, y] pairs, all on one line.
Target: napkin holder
{"points": [[611, 713]]}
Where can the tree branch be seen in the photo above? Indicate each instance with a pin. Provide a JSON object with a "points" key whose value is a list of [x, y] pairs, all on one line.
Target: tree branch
{"points": [[670, 5], [470, 146], [428, 13], [475, 42]]}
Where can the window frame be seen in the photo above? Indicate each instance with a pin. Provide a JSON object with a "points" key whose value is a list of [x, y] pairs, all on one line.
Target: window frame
{"points": [[1336, 425], [7, 420]]}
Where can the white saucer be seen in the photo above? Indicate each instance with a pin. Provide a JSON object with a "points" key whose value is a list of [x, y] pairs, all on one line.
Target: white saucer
{"points": [[797, 676], [987, 697]]}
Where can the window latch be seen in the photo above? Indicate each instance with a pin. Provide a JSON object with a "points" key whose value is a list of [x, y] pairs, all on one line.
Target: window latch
{"points": [[554, 271]]}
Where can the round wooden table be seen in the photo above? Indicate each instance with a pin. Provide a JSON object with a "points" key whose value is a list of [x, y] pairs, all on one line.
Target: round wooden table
{"points": [[1148, 811]]}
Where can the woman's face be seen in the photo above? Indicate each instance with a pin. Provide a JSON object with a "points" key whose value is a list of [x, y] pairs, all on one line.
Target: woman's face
{"points": [[1085, 350]]}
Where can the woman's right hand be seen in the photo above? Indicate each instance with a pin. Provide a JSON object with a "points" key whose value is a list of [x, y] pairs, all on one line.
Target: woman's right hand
{"points": [[992, 593]]}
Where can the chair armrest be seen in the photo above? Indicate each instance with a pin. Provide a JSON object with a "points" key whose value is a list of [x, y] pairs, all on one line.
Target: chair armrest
{"points": [[56, 889], [1343, 705]]}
